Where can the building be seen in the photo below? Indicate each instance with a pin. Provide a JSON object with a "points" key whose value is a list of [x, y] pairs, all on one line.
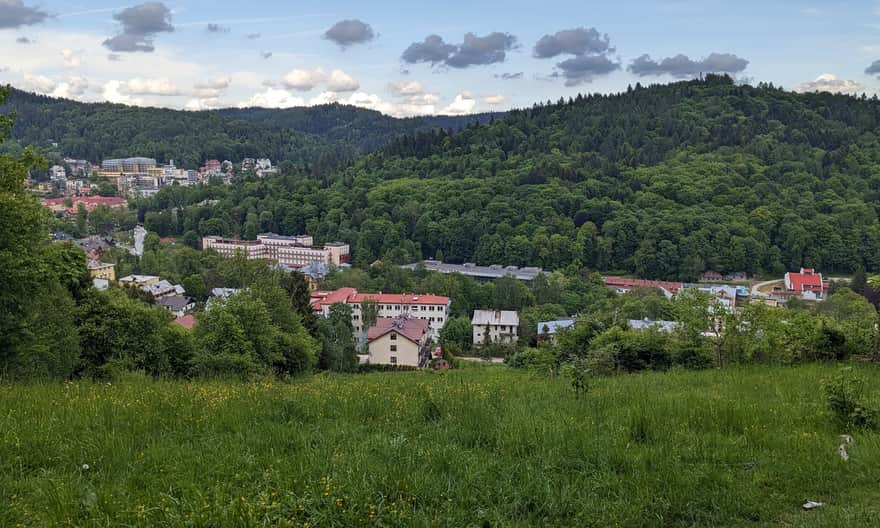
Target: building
{"points": [[623, 285], [128, 165], [432, 308], [102, 270], [726, 296], [495, 326], [138, 280], [178, 305], [547, 330], [80, 168], [808, 284], [163, 288], [401, 341], [480, 273], [295, 251], [186, 321], [58, 173], [646, 323], [57, 205]]}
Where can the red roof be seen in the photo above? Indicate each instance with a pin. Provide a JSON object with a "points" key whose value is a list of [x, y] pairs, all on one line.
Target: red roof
{"points": [[623, 282], [186, 321], [410, 328], [806, 280], [351, 296]]}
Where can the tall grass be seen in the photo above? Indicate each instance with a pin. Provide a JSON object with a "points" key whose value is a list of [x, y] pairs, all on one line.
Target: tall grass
{"points": [[476, 447]]}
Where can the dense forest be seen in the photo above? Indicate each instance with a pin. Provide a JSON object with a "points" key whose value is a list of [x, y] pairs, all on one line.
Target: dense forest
{"points": [[319, 139], [365, 130], [663, 182]]}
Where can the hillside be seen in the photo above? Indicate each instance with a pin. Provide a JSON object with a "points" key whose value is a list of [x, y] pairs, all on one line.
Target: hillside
{"points": [[474, 447], [365, 130], [330, 134], [663, 181]]}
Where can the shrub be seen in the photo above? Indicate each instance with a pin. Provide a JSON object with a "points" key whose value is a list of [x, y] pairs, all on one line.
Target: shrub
{"points": [[543, 360], [845, 394]]}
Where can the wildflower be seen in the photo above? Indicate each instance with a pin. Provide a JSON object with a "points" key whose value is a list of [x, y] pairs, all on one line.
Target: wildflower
{"points": [[85, 467]]}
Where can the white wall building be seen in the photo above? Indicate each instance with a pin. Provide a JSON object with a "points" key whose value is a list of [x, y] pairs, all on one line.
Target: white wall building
{"points": [[501, 326]]}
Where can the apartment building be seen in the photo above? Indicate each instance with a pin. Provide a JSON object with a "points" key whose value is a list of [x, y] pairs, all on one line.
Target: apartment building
{"points": [[399, 341], [431, 308], [495, 326]]}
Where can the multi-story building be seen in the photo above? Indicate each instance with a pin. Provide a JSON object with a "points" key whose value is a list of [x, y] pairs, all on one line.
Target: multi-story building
{"points": [[58, 173], [399, 341], [432, 308], [130, 165], [102, 270], [80, 168], [480, 273], [495, 326], [294, 251]]}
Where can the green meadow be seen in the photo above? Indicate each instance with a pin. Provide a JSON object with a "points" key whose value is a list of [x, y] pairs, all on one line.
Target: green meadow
{"points": [[480, 446]]}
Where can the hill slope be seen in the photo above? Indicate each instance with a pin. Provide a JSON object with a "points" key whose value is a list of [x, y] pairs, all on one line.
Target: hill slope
{"points": [[365, 130], [664, 182]]}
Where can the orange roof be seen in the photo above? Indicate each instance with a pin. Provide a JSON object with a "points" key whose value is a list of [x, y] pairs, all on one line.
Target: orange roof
{"points": [[623, 282]]}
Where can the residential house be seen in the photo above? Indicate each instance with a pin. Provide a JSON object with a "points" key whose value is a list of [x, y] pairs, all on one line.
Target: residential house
{"points": [[547, 330], [808, 284], [432, 308], [495, 326], [138, 280], [178, 305], [711, 276], [401, 341]]}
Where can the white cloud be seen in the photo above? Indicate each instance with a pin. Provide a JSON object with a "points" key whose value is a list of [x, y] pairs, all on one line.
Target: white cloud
{"points": [[324, 98], [339, 81], [38, 83], [828, 82], [145, 86], [204, 103], [304, 80], [212, 88], [462, 104], [273, 98], [72, 88], [112, 92], [494, 99], [401, 88], [72, 59]]}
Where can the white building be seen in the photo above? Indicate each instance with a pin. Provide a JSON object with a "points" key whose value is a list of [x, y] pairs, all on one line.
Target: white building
{"points": [[431, 308], [295, 251], [500, 326]]}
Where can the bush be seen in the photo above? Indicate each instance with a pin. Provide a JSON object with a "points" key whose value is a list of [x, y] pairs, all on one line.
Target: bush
{"points": [[845, 394], [543, 360]]}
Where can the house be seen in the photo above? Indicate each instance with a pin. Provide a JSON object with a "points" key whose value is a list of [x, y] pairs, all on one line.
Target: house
{"points": [[809, 284], [179, 305], [547, 330], [163, 288], [646, 323], [623, 285], [101, 284], [399, 340], [101, 270], [726, 296], [138, 280], [711, 276], [495, 326], [432, 308]]}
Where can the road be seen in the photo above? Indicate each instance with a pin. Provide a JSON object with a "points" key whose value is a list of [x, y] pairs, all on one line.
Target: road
{"points": [[756, 289], [481, 360]]}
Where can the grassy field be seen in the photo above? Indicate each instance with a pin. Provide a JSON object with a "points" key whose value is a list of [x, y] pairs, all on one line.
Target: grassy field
{"points": [[483, 446]]}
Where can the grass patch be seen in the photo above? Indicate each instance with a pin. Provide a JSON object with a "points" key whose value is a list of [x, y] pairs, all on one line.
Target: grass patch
{"points": [[476, 447]]}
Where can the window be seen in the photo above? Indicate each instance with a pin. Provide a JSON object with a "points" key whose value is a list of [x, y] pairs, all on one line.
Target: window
{"points": [[393, 336], [394, 348], [393, 360]]}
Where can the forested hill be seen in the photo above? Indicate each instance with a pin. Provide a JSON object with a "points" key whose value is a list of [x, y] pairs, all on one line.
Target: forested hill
{"points": [[664, 182], [95, 131], [365, 130]]}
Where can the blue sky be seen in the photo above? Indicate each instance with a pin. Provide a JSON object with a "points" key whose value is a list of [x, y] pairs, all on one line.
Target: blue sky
{"points": [[206, 54]]}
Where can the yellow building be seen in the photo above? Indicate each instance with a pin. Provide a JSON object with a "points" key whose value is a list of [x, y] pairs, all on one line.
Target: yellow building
{"points": [[102, 270]]}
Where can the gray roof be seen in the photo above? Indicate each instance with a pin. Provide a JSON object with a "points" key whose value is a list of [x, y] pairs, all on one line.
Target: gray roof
{"points": [[554, 326], [495, 317], [174, 303], [644, 324], [495, 271]]}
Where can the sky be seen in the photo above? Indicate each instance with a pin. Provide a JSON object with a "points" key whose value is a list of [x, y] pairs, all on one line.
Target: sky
{"points": [[405, 58]]}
